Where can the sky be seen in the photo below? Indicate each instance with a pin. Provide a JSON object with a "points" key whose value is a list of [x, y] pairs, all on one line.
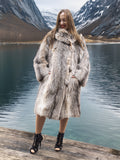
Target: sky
{"points": [[73, 5]]}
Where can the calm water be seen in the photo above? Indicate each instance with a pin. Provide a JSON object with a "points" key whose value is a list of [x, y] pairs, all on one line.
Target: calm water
{"points": [[100, 99]]}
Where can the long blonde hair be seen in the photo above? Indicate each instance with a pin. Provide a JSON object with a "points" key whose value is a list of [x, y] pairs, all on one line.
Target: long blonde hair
{"points": [[71, 28]]}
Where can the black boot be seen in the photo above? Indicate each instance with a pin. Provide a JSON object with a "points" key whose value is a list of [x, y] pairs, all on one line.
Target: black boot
{"points": [[58, 145], [37, 141]]}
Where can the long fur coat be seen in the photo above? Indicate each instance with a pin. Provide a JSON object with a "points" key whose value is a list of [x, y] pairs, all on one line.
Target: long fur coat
{"points": [[59, 93]]}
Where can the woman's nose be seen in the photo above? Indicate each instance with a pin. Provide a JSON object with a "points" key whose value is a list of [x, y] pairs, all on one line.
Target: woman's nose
{"points": [[61, 22]]}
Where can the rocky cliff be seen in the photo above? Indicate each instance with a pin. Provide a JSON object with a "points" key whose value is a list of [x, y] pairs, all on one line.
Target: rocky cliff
{"points": [[99, 18], [21, 20]]}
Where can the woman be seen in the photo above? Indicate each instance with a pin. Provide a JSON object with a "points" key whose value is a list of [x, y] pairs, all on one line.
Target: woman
{"points": [[62, 67]]}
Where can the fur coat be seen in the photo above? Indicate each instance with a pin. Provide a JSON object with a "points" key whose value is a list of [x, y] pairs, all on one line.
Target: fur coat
{"points": [[59, 94]]}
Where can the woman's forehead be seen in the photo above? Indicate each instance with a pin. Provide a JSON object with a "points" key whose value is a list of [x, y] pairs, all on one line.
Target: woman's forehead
{"points": [[63, 13]]}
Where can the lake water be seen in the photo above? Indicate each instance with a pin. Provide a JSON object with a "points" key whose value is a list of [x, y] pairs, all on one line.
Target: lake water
{"points": [[100, 99]]}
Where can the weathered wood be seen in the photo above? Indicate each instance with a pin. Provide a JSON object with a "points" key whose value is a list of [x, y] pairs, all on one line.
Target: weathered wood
{"points": [[14, 145]]}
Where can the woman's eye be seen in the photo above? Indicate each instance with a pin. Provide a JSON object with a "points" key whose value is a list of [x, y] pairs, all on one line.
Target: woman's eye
{"points": [[62, 20]]}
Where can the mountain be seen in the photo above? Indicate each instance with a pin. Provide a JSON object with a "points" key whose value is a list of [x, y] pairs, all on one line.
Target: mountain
{"points": [[21, 20], [91, 11], [99, 18], [50, 17]]}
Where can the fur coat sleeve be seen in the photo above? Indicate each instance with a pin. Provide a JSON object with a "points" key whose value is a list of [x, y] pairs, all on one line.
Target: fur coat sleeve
{"points": [[40, 62], [83, 66]]}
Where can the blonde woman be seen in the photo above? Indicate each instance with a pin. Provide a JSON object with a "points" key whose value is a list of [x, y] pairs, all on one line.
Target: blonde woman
{"points": [[62, 67]]}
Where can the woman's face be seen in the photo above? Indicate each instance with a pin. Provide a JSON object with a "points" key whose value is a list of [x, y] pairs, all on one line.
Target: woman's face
{"points": [[63, 21]]}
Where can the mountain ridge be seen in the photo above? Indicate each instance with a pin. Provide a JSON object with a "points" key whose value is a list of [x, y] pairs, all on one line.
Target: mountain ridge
{"points": [[103, 18], [24, 21], [25, 10]]}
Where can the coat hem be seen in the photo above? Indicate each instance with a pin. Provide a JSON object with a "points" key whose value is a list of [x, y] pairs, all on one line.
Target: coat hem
{"points": [[58, 118]]}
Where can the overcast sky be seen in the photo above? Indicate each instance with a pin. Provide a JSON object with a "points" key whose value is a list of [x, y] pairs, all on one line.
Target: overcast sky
{"points": [[74, 5]]}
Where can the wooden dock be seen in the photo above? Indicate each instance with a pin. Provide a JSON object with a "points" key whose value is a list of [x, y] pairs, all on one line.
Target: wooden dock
{"points": [[14, 145]]}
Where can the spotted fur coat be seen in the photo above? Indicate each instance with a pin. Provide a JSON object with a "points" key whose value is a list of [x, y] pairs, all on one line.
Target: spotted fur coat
{"points": [[59, 94]]}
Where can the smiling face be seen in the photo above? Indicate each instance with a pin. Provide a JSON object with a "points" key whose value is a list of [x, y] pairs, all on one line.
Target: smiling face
{"points": [[63, 21]]}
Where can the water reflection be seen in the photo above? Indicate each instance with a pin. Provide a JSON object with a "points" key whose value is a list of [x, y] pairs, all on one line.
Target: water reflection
{"points": [[16, 73], [105, 75]]}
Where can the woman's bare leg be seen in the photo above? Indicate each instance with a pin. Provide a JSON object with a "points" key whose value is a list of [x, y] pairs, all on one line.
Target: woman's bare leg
{"points": [[39, 124], [63, 124]]}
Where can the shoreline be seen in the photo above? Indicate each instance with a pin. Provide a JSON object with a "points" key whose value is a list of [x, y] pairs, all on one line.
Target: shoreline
{"points": [[18, 43], [109, 41], [88, 41]]}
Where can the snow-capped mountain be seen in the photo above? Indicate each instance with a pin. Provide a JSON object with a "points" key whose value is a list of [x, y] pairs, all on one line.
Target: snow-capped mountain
{"points": [[25, 10], [109, 23], [90, 12], [50, 16], [99, 18]]}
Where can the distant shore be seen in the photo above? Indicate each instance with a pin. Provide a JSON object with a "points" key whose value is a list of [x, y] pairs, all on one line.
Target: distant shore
{"points": [[31, 42], [88, 40]]}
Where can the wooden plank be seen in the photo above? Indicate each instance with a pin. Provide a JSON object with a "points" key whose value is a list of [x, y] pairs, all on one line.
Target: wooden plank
{"points": [[14, 145]]}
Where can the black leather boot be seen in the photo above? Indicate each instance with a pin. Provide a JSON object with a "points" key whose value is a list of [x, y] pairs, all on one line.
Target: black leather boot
{"points": [[58, 145], [37, 142]]}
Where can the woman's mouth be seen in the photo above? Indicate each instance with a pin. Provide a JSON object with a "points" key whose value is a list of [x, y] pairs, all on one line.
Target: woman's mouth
{"points": [[63, 26]]}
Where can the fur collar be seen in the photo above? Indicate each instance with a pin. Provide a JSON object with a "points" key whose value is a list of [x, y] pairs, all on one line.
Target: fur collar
{"points": [[64, 36]]}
